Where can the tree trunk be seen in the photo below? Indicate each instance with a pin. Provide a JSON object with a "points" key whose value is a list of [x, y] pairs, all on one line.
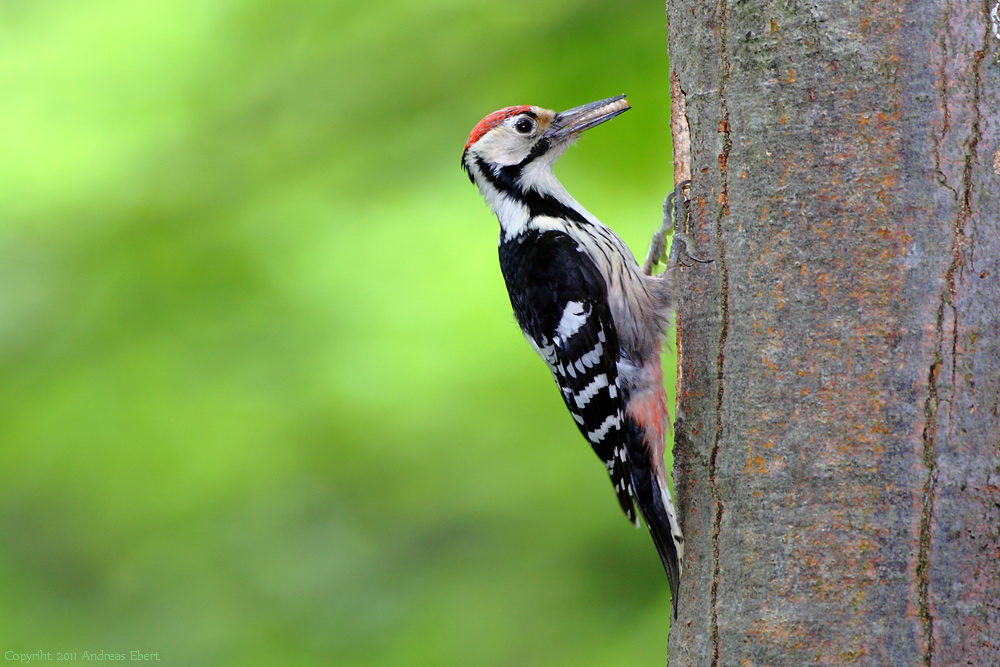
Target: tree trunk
{"points": [[837, 446]]}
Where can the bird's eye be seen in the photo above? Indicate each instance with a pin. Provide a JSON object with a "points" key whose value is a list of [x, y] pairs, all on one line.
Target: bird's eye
{"points": [[524, 125]]}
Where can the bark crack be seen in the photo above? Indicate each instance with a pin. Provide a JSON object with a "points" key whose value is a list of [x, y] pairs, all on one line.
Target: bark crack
{"points": [[933, 402], [724, 329], [927, 496], [971, 156], [937, 138]]}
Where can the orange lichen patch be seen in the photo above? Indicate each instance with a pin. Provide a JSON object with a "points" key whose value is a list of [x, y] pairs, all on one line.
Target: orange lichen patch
{"points": [[879, 427], [851, 656], [755, 464], [776, 632]]}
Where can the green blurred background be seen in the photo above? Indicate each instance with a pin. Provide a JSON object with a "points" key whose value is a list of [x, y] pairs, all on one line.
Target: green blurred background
{"points": [[263, 398]]}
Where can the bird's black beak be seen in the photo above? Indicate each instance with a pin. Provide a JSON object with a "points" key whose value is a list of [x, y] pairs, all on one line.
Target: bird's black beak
{"points": [[569, 124]]}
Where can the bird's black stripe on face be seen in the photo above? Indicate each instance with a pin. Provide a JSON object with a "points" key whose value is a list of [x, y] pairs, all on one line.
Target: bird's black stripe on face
{"points": [[539, 149], [465, 166], [504, 179]]}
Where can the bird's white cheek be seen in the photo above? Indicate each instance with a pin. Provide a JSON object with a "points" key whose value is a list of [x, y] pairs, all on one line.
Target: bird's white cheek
{"points": [[503, 150]]}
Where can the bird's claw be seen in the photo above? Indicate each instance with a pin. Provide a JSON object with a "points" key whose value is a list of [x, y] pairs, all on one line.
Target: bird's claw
{"points": [[674, 209]]}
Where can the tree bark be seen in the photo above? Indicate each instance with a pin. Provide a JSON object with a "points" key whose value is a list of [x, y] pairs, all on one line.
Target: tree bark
{"points": [[837, 445]]}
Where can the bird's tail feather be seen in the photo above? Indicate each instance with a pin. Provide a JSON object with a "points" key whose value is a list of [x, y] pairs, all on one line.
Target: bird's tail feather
{"points": [[652, 500]]}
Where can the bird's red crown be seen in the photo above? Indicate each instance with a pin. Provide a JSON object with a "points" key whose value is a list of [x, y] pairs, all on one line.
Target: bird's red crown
{"points": [[491, 121]]}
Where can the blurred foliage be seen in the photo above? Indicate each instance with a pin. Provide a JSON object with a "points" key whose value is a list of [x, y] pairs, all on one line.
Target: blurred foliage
{"points": [[263, 399]]}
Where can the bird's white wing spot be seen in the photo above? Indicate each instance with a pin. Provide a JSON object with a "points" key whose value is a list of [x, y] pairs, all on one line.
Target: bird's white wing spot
{"points": [[545, 350], [591, 390], [598, 435], [574, 316], [594, 356]]}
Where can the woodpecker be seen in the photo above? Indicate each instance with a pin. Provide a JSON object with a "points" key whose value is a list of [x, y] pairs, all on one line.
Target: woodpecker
{"points": [[583, 303]]}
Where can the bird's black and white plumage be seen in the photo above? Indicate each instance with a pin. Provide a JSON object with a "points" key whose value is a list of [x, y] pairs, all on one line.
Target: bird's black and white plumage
{"points": [[584, 305], [561, 302]]}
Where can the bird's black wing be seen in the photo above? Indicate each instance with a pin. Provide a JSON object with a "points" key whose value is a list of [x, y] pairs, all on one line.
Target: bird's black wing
{"points": [[560, 300]]}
